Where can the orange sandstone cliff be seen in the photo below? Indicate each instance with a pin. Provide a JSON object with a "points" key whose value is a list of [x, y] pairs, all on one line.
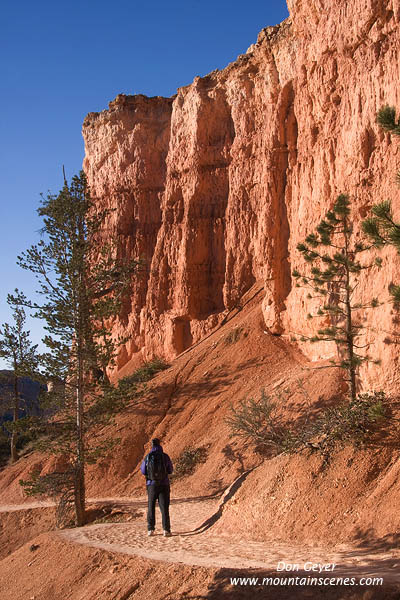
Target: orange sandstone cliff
{"points": [[216, 186]]}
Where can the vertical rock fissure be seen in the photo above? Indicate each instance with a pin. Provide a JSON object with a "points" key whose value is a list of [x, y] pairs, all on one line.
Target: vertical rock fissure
{"points": [[283, 157]]}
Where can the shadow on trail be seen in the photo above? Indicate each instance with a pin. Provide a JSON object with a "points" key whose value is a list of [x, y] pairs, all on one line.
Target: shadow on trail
{"points": [[367, 543], [230, 492], [222, 588], [131, 504]]}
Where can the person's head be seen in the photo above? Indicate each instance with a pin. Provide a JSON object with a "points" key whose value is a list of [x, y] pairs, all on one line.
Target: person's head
{"points": [[155, 442]]}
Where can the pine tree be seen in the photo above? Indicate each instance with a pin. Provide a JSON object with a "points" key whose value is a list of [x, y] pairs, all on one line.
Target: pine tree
{"points": [[333, 275], [22, 357], [381, 227], [83, 282], [386, 118]]}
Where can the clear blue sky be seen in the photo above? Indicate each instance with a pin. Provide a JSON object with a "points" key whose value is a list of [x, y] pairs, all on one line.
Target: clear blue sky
{"points": [[61, 60]]}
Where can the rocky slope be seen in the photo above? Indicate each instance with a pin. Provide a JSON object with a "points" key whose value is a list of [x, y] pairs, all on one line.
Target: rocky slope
{"points": [[215, 186]]}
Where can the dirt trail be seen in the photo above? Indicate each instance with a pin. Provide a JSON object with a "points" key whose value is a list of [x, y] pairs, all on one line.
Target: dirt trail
{"points": [[26, 506], [194, 543]]}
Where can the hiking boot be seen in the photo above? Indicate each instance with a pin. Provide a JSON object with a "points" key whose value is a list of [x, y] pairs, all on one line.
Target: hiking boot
{"points": [[150, 532], [167, 533]]}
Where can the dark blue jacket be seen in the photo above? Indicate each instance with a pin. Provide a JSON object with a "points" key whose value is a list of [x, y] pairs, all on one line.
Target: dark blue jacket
{"points": [[168, 465]]}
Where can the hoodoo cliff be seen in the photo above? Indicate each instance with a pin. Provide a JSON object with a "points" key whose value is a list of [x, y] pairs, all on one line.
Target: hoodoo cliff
{"points": [[215, 187]]}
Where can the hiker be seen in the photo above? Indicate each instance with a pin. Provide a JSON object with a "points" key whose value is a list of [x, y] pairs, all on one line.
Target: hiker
{"points": [[156, 467]]}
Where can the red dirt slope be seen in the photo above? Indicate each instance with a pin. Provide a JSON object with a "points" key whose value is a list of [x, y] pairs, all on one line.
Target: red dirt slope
{"points": [[285, 498], [186, 406]]}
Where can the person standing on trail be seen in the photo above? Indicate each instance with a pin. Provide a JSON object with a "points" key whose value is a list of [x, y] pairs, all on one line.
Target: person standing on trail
{"points": [[156, 467]]}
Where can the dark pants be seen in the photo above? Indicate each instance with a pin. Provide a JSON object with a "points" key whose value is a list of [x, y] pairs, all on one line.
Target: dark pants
{"points": [[161, 493]]}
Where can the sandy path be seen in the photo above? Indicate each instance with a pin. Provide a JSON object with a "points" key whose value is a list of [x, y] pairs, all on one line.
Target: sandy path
{"points": [[26, 506], [194, 543]]}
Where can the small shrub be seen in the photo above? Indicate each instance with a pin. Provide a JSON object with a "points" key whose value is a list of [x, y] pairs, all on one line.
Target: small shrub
{"points": [[188, 461], [233, 336], [255, 421], [351, 422]]}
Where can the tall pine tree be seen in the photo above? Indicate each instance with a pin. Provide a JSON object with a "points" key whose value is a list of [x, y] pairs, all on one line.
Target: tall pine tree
{"points": [[83, 282], [334, 269]]}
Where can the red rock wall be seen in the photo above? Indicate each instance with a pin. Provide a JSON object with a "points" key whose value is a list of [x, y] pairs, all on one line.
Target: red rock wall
{"points": [[216, 186]]}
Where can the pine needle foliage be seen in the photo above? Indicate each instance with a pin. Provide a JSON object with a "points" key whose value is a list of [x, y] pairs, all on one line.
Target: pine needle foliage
{"points": [[332, 276], [144, 373], [134, 387], [22, 358], [386, 118], [59, 485], [384, 231], [83, 282], [381, 227]]}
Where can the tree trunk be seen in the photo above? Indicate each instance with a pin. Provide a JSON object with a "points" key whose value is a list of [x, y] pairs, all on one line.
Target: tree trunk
{"points": [[80, 449], [349, 325], [80, 494], [13, 443], [80, 446]]}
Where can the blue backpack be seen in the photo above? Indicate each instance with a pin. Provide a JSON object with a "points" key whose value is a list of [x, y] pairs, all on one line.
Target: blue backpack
{"points": [[155, 467]]}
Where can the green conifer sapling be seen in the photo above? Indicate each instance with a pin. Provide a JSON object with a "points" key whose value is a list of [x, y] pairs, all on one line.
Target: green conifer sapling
{"points": [[334, 269]]}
